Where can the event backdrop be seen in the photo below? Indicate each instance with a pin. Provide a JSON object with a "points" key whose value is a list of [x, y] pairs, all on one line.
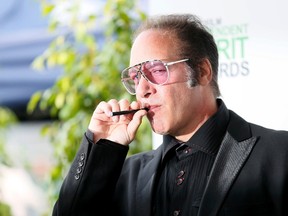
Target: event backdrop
{"points": [[252, 39]]}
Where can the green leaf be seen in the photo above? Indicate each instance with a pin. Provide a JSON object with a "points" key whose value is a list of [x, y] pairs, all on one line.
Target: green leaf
{"points": [[60, 100], [38, 63], [47, 9], [33, 102]]}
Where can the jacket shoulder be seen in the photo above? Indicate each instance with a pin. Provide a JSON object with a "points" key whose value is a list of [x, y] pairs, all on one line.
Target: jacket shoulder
{"points": [[241, 129]]}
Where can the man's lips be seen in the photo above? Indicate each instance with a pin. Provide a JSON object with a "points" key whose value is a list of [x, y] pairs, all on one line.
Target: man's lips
{"points": [[153, 108]]}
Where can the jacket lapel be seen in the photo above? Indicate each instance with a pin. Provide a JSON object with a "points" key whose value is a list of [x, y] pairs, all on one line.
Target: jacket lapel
{"points": [[228, 163]]}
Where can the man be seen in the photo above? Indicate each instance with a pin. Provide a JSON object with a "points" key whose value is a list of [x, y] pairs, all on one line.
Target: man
{"points": [[211, 162]]}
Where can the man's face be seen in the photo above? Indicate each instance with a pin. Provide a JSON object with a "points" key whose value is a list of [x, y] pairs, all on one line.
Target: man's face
{"points": [[173, 106]]}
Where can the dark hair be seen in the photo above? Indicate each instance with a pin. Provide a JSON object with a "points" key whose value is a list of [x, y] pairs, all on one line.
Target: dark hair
{"points": [[196, 43]]}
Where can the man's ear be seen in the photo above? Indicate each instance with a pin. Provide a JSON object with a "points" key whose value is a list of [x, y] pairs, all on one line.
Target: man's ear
{"points": [[206, 72]]}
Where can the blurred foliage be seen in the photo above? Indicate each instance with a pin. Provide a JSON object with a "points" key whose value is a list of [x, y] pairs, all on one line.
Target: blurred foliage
{"points": [[7, 118], [91, 50], [5, 210]]}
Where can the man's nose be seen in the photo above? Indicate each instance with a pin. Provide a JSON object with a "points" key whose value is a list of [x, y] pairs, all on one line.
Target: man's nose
{"points": [[144, 88]]}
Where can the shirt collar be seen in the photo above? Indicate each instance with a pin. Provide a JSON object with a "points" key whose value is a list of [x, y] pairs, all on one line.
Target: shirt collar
{"points": [[207, 138]]}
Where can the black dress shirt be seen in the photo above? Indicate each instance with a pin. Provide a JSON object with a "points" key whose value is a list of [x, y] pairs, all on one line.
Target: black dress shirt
{"points": [[186, 166]]}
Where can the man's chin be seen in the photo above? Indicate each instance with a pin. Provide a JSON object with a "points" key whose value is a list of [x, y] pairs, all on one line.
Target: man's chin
{"points": [[156, 127], [159, 131]]}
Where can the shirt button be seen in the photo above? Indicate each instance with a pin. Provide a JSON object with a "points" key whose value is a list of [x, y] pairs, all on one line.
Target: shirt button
{"points": [[180, 174], [176, 213], [187, 150], [179, 181]]}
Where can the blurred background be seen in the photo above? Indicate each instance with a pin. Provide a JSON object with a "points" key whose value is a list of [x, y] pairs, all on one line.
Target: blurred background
{"points": [[25, 155], [58, 59]]}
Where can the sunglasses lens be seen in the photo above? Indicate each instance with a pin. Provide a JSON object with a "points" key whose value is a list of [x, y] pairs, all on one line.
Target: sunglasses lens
{"points": [[153, 71], [129, 79]]}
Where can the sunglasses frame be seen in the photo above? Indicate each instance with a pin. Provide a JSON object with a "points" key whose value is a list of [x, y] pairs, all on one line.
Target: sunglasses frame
{"points": [[166, 64]]}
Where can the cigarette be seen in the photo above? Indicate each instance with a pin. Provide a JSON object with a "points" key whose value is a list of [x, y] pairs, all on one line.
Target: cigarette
{"points": [[125, 112]]}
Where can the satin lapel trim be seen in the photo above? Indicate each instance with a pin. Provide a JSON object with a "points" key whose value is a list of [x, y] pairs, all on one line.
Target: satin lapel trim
{"points": [[228, 163], [146, 181]]}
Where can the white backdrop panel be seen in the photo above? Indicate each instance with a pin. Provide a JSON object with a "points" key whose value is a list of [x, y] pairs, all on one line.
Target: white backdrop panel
{"points": [[252, 38]]}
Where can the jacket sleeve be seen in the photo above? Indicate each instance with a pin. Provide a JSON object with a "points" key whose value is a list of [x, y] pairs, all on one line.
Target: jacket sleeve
{"points": [[90, 183]]}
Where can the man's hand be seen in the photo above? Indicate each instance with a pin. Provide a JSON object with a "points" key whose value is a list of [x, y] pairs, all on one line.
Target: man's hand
{"points": [[120, 129]]}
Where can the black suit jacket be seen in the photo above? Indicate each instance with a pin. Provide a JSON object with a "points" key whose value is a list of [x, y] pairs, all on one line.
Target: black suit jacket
{"points": [[249, 177]]}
